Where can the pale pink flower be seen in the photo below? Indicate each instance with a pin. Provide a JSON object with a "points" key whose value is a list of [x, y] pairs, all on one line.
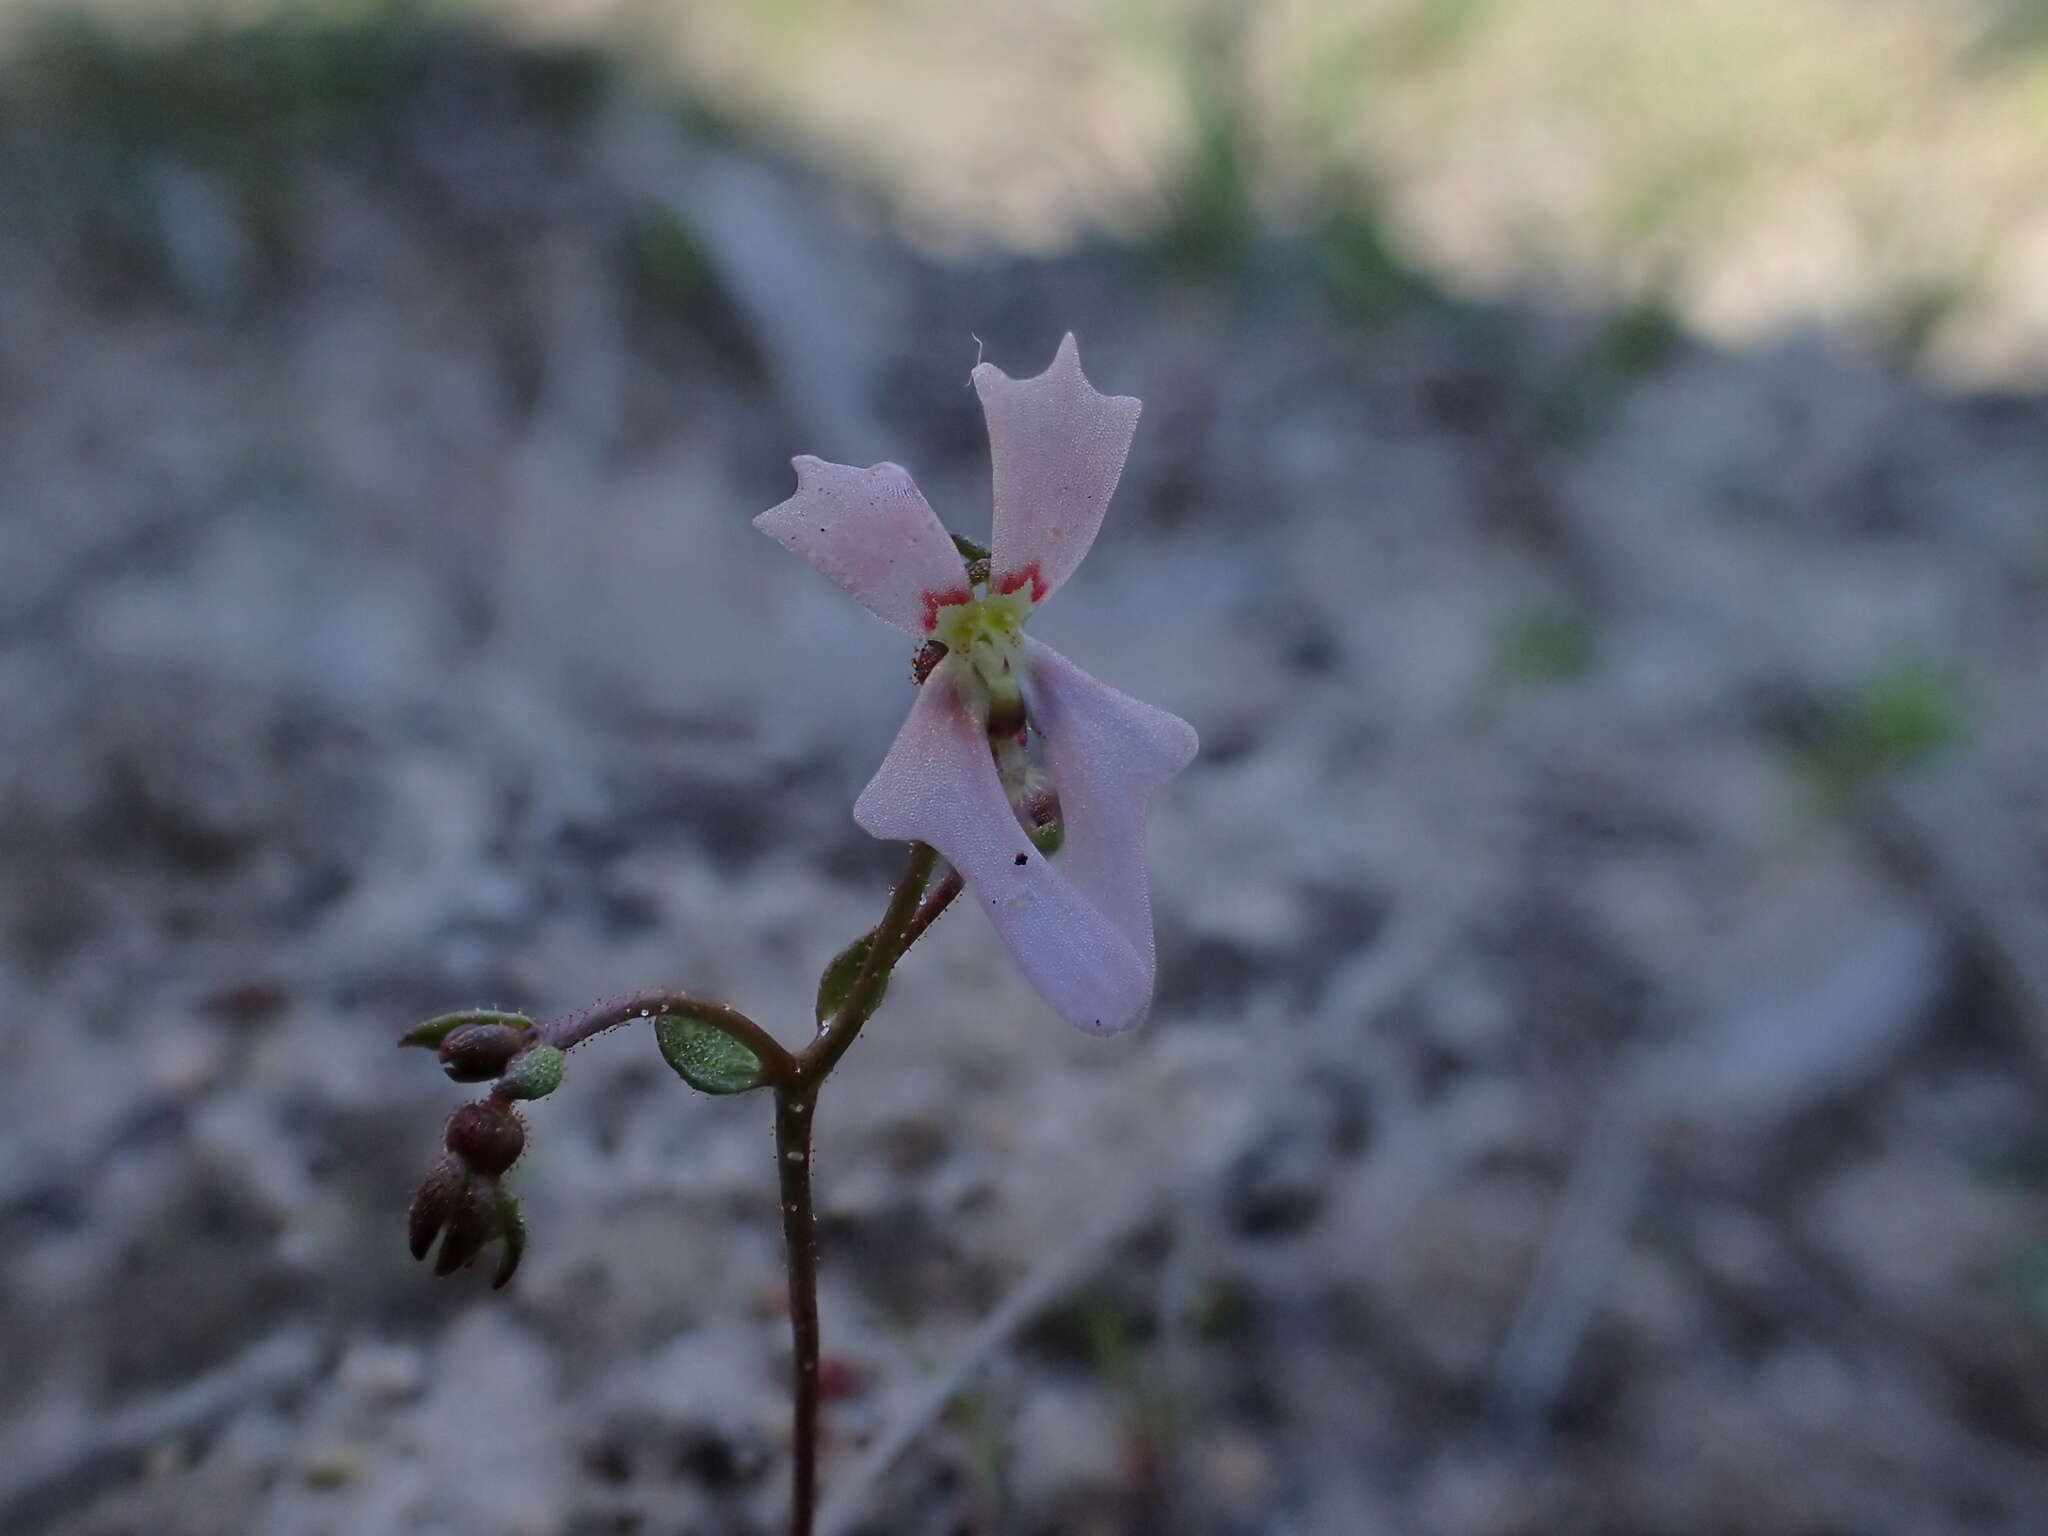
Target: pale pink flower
{"points": [[1080, 924]]}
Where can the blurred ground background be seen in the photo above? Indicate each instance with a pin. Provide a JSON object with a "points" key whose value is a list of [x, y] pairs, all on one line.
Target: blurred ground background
{"points": [[1592, 498]]}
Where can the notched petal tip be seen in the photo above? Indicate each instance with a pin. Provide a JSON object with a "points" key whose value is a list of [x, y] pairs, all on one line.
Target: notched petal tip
{"points": [[1065, 364], [811, 471], [871, 532], [1058, 446]]}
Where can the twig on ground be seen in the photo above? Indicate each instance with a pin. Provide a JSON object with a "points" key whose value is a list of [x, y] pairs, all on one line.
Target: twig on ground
{"points": [[1954, 829], [1748, 1074], [34, 1489], [1404, 957], [1047, 1282], [1580, 1254]]}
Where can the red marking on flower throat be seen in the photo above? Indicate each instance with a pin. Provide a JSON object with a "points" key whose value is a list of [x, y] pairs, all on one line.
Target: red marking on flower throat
{"points": [[1016, 579], [934, 601]]}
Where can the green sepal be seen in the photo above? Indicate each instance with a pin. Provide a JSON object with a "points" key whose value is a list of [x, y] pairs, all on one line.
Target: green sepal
{"points": [[439, 1028], [837, 984], [534, 1073], [977, 558], [512, 1236], [705, 1056]]}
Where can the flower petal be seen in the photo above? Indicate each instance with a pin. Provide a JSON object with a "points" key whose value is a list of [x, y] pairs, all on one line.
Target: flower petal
{"points": [[871, 531], [938, 785], [1058, 448], [1108, 752]]}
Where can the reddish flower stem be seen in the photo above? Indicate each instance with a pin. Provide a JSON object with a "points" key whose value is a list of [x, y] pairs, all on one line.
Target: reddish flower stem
{"points": [[572, 1029], [793, 1105], [795, 1098], [936, 901]]}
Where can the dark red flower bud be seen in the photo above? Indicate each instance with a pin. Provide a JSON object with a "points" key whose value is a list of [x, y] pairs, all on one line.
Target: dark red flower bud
{"points": [[466, 1211], [476, 1053], [487, 1136], [1006, 718], [473, 1223], [433, 1204], [1043, 822]]}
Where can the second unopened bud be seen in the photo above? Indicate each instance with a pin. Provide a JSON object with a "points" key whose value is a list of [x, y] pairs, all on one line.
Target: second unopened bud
{"points": [[487, 1136], [476, 1053]]}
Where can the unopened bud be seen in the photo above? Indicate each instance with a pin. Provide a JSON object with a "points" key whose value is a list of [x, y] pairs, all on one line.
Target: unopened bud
{"points": [[466, 1211], [433, 1204], [435, 1030], [487, 1136], [1043, 822], [1006, 718], [533, 1074], [476, 1053], [473, 1223]]}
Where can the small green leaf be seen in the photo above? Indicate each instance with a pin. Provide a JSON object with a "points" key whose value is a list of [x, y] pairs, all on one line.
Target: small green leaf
{"points": [[836, 985], [705, 1056], [435, 1030]]}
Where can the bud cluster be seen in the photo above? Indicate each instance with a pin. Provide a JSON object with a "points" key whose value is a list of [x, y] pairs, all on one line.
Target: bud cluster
{"points": [[463, 1200]]}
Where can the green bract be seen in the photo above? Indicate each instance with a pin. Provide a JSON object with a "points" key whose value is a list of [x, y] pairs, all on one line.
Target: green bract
{"points": [[435, 1030], [534, 1073], [836, 985]]}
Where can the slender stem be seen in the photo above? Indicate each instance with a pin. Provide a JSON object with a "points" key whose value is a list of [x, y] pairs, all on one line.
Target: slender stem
{"points": [[572, 1029], [795, 1095], [793, 1103], [935, 902], [796, 1078]]}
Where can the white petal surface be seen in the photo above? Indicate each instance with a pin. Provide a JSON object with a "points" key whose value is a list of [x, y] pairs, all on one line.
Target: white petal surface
{"points": [[938, 785], [872, 532], [1108, 752], [1058, 448]]}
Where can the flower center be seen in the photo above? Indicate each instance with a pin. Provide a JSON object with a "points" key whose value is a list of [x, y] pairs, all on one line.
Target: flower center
{"points": [[988, 633]]}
